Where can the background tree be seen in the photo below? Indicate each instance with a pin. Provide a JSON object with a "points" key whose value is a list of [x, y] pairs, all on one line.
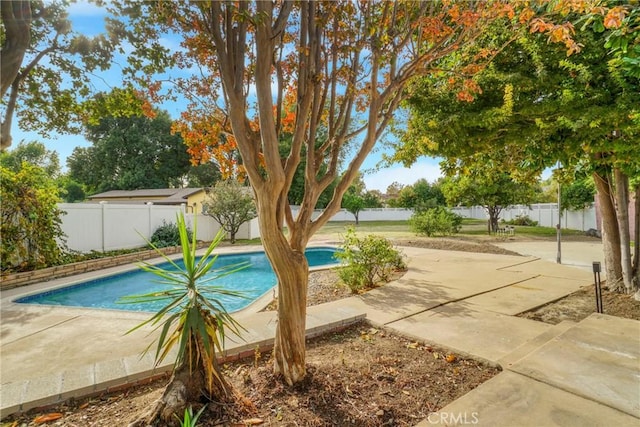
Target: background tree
{"points": [[342, 62], [494, 191], [420, 195], [46, 67], [392, 193], [35, 153], [358, 198], [129, 153], [71, 191], [578, 195], [372, 199], [202, 175], [353, 203], [231, 205]]}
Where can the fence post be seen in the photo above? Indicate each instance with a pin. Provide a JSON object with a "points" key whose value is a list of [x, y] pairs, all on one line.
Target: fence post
{"points": [[150, 231], [103, 204]]}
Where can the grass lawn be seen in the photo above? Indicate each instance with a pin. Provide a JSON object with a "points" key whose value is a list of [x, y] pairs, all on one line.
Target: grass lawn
{"points": [[400, 229]]}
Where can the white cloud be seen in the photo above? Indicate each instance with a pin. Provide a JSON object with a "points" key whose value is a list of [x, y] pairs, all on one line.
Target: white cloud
{"points": [[381, 179]]}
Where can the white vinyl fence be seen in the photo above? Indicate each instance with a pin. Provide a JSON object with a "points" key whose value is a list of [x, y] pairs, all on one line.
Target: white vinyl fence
{"points": [[370, 214], [111, 226], [545, 213]]}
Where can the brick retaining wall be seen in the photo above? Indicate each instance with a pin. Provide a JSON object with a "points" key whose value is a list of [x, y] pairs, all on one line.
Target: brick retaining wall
{"points": [[14, 280]]}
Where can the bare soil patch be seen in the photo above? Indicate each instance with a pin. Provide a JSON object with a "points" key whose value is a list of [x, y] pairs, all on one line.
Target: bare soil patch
{"points": [[360, 376], [463, 244], [582, 303]]}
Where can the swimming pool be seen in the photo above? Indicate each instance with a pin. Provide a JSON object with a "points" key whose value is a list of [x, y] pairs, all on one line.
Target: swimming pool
{"points": [[105, 292]]}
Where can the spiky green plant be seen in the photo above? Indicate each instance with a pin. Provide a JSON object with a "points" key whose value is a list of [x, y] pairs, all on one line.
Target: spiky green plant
{"points": [[192, 319], [190, 420]]}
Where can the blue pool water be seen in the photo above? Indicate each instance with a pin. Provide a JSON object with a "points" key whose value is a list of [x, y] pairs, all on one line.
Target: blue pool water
{"points": [[105, 292]]}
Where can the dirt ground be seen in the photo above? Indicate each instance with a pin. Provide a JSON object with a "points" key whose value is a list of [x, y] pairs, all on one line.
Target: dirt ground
{"points": [[361, 376], [463, 244], [582, 303]]}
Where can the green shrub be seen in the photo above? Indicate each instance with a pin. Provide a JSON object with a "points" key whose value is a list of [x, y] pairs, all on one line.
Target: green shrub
{"points": [[366, 261], [167, 235], [31, 224], [435, 221], [522, 220]]}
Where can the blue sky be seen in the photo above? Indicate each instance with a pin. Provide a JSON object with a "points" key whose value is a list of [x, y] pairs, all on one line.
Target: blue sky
{"points": [[89, 20]]}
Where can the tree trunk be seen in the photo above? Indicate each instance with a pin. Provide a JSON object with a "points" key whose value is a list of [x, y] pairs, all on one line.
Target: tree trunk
{"points": [[610, 232], [16, 17], [292, 272], [188, 387], [622, 213], [183, 389], [357, 219], [494, 213]]}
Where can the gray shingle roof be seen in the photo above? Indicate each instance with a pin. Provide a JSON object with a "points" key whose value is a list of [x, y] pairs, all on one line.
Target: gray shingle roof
{"points": [[157, 195]]}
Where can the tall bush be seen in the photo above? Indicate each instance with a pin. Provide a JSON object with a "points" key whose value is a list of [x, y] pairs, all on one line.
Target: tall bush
{"points": [[167, 234], [435, 221], [30, 224]]}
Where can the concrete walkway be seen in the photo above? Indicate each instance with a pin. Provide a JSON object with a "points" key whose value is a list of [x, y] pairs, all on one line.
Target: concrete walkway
{"points": [[567, 375]]}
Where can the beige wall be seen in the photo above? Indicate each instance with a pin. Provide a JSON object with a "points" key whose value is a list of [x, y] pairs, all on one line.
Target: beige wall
{"points": [[195, 201]]}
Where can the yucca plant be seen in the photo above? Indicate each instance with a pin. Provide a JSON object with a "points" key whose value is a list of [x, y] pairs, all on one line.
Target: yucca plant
{"points": [[192, 320]]}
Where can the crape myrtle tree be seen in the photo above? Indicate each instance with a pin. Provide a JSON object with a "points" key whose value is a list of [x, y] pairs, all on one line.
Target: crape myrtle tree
{"points": [[537, 107], [345, 63]]}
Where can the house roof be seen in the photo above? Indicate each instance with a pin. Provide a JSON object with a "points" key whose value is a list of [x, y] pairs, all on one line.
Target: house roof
{"points": [[156, 195]]}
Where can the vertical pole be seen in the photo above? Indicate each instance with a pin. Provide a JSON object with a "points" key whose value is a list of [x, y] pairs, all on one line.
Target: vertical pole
{"points": [[596, 279], [559, 230]]}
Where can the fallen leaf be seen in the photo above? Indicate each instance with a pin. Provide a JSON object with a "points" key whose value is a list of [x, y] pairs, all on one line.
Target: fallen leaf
{"points": [[412, 345], [451, 358], [435, 355], [84, 405], [373, 331], [253, 421], [406, 392], [47, 417]]}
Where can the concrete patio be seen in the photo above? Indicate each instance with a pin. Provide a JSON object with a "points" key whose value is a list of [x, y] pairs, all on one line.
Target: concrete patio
{"points": [[568, 374]]}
